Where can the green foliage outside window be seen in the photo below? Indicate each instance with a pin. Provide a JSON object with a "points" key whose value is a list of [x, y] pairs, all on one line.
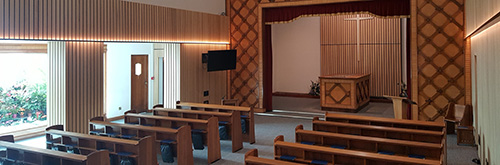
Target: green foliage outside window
{"points": [[23, 103]]}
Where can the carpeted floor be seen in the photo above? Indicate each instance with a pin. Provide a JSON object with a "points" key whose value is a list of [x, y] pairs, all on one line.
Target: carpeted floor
{"points": [[267, 128], [313, 105]]}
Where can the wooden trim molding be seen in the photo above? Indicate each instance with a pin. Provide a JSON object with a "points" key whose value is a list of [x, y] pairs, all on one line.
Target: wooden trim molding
{"points": [[23, 48], [489, 23]]}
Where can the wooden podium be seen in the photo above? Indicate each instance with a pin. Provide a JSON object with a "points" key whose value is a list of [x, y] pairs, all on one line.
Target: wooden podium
{"points": [[400, 106], [344, 92]]}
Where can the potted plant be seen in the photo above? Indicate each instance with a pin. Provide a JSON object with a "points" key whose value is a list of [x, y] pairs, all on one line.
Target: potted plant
{"points": [[314, 88]]}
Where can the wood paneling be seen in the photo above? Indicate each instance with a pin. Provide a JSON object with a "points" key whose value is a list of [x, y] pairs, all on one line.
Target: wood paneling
{"points": [[84, 84], [438, 56], [107, 20], [56, 88], [246, 80], [194, 76], [380, 50]]}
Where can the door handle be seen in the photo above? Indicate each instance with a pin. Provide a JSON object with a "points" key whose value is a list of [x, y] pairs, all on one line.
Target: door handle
{"points": [[145, 82]]}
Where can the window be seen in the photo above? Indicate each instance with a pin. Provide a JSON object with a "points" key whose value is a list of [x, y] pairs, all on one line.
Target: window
{"points": [[23, 86]]}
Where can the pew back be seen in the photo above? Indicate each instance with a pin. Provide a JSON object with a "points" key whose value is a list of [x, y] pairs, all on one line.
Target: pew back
{"points": [[308, 153], [369, 144], [379, 131], [179, 138], [246, 114], [231, 120], [209, 128], [32, 156], [386, 122], [139, 150]]}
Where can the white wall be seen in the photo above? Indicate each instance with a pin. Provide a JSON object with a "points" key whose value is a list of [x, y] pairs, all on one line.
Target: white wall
{"points": [[118, 75], [205, 6], [296, 55], [485, 47]]}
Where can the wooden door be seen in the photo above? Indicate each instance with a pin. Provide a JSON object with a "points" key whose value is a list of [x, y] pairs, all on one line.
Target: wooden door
{"points": [[139, 82]]}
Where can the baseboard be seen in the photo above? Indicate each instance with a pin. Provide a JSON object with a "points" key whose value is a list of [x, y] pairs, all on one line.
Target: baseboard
{"points": [[291, 94]]}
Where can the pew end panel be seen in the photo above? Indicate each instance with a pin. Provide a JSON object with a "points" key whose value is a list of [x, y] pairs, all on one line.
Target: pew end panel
{"points": [[251, 158], [99, 157], [184, 146], [235, 131], [55, 127], [7, 138], [213, 140], [252, 152]]}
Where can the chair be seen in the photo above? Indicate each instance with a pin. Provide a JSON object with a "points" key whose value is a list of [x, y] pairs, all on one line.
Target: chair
{"points": [[459, 117], [233, 102]]}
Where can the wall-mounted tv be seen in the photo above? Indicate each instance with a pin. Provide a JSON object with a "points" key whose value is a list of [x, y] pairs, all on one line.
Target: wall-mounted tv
{"points": [[221, 60]]}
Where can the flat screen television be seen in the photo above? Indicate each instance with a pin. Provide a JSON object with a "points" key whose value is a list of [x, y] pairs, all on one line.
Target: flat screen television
{"points": [[221, 60]]}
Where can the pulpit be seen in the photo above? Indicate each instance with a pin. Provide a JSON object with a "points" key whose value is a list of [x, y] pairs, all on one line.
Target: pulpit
{"points": [[344, 92], [400, 106]]}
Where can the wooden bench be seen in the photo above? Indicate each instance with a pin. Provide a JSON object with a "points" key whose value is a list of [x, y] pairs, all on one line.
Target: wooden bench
{"points": [[311, 154], [370, 144], [35, 156], [209, 128], [246, 113], [180, 138], [427, 136], [139, 150], [379, 131], [231, 120], [252, 158], [386, 122]]}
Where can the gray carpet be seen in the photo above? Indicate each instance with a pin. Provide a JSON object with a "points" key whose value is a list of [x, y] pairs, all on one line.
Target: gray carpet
{"points": [[313, 105]]}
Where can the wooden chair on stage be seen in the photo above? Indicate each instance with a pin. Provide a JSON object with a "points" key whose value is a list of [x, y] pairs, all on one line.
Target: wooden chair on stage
{"points": [[459, 117]]}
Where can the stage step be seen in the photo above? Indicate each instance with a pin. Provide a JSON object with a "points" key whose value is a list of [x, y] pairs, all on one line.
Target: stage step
{"points": [[292, 114]]}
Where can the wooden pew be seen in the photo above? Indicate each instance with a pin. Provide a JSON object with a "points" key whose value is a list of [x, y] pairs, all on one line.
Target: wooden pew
{"points": [[383, 132], [379, 131], [180, 138], [304, 153], [369, 144], [386, 122], [252, 158], [140, 150], [246, 113], [33, 156], [209, 128], [231, 120]]}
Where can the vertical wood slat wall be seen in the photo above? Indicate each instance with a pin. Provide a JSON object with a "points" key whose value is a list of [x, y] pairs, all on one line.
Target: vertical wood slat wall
{"points": [[56, 90], [107, 20], [172, 77], [194, 76], [380, 50], [84, 84]]}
